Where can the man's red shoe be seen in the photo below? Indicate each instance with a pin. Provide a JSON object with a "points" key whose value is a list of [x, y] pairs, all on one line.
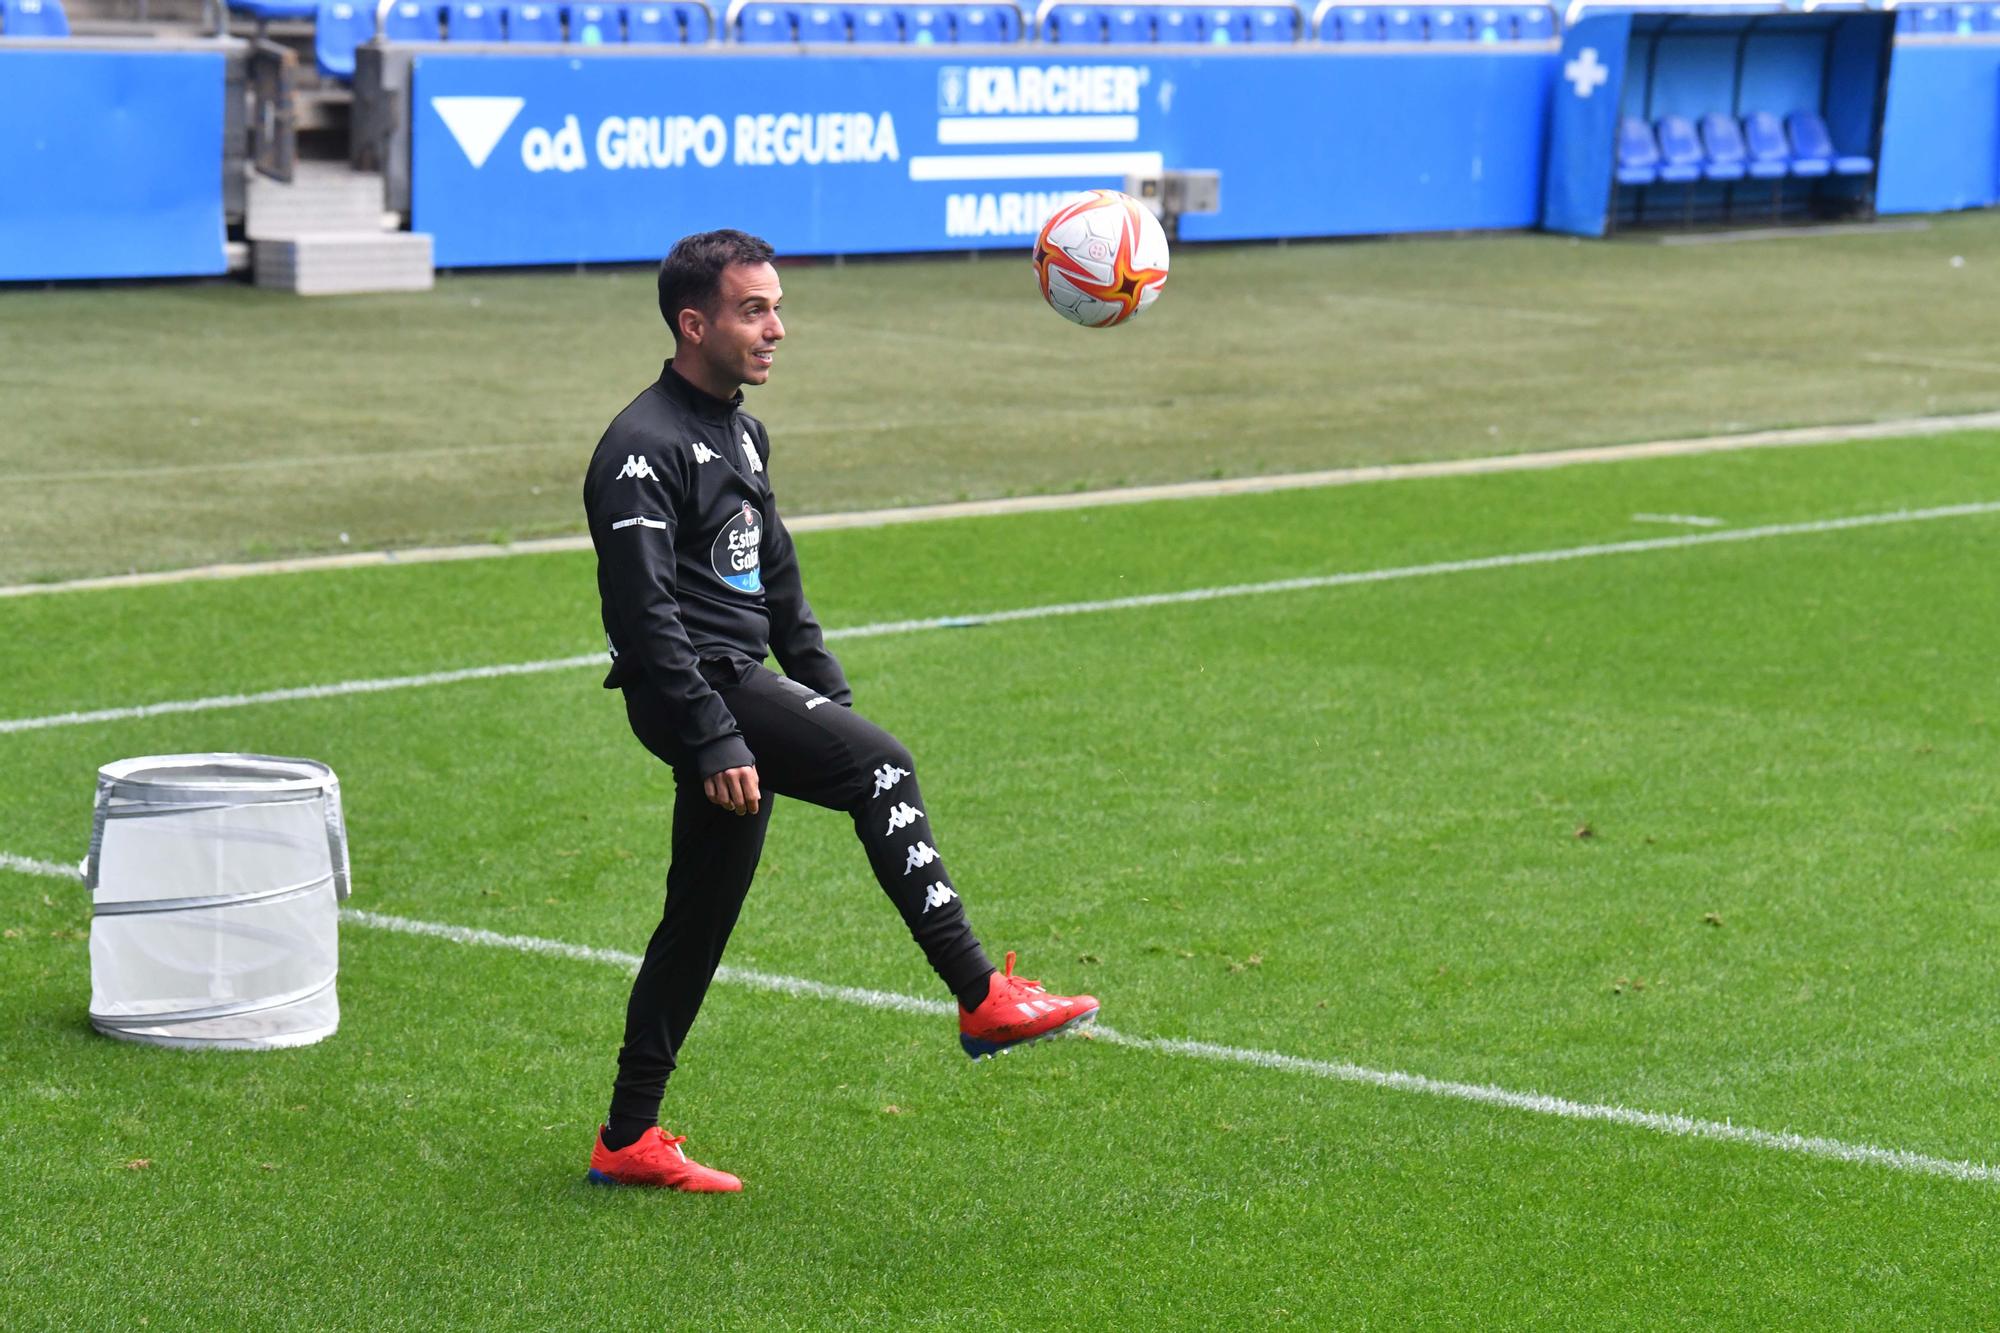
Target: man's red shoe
{"points": [[1017, 1011], [656, 1160]]}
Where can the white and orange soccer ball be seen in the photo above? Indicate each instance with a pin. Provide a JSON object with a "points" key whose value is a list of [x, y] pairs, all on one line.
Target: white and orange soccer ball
{"points": [[1101, 258]]}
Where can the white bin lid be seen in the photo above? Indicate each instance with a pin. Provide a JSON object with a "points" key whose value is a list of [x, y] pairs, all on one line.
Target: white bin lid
{"points": [[167, 781]]}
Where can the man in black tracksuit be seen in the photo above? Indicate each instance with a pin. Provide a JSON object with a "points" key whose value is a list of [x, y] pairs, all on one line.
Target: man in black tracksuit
{"points": [[698, 579]]}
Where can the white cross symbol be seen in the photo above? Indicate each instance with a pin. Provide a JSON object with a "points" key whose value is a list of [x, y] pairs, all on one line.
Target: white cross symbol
{"points": [[1585, 73]]}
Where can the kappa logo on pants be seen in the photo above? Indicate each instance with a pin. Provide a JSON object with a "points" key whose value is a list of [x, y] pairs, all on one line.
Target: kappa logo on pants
{"points": [[937, 895], [887, 776], [903, 816], [920, 855]]}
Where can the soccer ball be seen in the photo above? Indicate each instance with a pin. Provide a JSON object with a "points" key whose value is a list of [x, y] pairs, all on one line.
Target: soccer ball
{"points": [[1101, 258]]}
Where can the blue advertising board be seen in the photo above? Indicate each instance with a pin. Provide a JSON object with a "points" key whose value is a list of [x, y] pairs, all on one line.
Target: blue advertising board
{"points": [[110, 164], [588, 158], [1583, 126]]}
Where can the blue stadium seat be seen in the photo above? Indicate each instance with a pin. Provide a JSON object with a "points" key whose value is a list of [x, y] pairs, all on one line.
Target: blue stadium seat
{"points": [[987, 23], [474, 21], [1638, 153], [823, 24], [261, 10], [651, 25], [695, 23], [596, 25], [1176, 26], [534, 22], [925, 25], [413, 21], [1402, 25], [1773, 162], [1812, 143], [1968, 20], [1770, 154], [1722, 140], [1681, 158], [1226, 26], [766, 24], [1351, 25], [1273, 24], [33, 18], [1450, 25], [1936, 19], [339, 27], [1128, 24], [1494, 25], [876, 24], [1534, 23], [1073, 25]]}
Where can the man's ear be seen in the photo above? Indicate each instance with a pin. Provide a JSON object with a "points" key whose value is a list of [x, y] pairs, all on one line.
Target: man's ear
{"points": [[690, 325]]}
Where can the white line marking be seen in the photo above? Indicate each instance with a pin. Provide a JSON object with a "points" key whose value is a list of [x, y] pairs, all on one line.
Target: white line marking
{"points": [[735, 976], [1035, 504], [1685, 520], [302, 692], [29, 866], [1484, 1094], [1045, 612], [1033, 166], [959, 131]]}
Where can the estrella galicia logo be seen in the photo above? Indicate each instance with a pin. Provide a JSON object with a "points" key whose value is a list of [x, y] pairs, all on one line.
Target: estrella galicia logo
{"points": [[734, 557], [951, 90]]}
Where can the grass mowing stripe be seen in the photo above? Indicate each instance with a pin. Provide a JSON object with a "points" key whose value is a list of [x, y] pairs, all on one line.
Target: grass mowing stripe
{"points": [[1044, 612], [1679, 1126], [1026, 504]]}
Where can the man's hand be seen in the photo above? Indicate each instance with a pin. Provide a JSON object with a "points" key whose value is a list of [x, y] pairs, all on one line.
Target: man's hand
{"points": [[734, 789]]}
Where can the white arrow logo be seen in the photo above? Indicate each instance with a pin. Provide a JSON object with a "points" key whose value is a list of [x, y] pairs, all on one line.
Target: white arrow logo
{"points": [[478, 122]]}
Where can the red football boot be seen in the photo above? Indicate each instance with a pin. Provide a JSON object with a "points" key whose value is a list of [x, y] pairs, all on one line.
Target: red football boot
{"points": [[656, 1160], [1017, 1011]]}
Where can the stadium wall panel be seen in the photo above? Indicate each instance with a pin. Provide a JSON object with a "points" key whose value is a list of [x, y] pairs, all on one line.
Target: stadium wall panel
{"points": [[110, 164], [529, 160], [1941, 136]]}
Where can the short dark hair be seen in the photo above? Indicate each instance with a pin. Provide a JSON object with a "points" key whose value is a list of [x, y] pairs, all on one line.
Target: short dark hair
{"points": [[691, 274]]}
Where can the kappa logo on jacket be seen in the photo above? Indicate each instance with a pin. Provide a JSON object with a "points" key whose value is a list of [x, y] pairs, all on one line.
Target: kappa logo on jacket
{"points": [[750, 452], [637, 466], [702, 453]]}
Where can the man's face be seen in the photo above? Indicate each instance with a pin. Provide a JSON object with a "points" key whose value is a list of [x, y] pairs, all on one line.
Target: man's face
{"points": [[739, 339]]}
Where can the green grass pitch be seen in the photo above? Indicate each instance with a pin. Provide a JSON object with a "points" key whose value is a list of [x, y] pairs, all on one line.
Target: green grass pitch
{"points": [[1706, 829], [168, 426]]}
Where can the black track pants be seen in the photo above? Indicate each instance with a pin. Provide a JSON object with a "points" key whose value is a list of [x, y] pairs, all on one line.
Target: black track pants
{"points": [[817, 751]]}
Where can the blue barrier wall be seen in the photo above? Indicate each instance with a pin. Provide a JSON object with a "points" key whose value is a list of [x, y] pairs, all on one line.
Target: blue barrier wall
{"points": [[1941, 138], [110, 164], [525, 160]]}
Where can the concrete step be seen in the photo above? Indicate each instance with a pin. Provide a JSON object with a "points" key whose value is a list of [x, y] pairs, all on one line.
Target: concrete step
{"points": [[330, 263], [322, 197]]}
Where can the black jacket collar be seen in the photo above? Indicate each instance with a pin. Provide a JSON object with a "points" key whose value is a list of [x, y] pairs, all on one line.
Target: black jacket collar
{"points": [[704, 405]]}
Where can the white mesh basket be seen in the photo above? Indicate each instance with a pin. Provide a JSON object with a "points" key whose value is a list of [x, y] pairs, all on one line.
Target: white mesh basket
{"points": [[216, 881]]}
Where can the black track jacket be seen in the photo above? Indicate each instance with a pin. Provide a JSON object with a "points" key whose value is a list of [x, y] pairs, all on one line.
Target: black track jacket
{"points": [[694, 564]]}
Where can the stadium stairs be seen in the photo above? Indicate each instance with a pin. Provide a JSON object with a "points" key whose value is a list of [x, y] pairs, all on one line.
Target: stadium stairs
{"points": [[325, 233]]}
